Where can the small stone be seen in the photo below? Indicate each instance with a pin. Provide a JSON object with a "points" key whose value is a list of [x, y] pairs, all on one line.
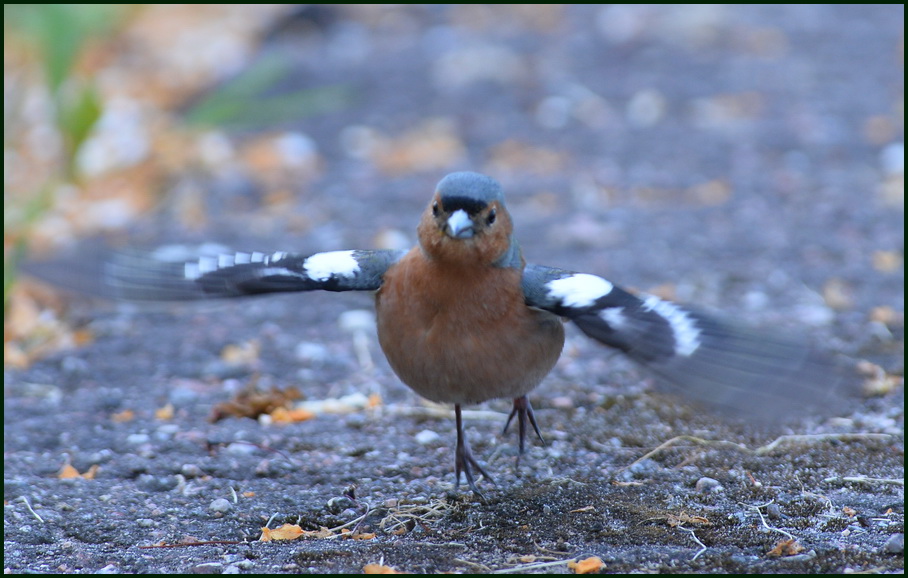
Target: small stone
{"points": [[426, 437], [241, 448], [708, 485], [220, 506], [138, 439], [895, 544], [149, 483], [207, 568], [339, 504], [191, 471]]}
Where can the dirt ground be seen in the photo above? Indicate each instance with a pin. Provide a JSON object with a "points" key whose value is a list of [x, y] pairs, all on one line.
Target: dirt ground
{"points": [[743, 158]]}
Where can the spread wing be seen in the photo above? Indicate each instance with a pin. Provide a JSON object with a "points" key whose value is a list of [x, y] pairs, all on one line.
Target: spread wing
{"points": [[177, 273], [714, 361]]}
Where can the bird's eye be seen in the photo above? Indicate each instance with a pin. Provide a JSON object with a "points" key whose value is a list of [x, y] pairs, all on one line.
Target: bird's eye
{"points": [[435, 209], [491, 218]]}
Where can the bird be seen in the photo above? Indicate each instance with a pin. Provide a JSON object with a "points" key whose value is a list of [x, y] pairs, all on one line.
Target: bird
{"points": [[462, 318]]}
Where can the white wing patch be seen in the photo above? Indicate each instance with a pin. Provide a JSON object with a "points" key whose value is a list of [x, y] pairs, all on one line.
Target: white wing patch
{"points": [[684, 328], [323, 266], [579, 290], [614, 316]]}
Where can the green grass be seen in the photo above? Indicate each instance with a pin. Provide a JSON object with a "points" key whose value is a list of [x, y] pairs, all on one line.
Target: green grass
{"points": [[55, 35]]}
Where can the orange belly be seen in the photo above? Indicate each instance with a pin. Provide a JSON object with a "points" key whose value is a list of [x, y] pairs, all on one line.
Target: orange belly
{"points": [[464, 345]]}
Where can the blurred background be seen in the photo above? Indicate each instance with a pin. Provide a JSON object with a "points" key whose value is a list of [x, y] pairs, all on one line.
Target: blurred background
{"points": [[748, 158]]}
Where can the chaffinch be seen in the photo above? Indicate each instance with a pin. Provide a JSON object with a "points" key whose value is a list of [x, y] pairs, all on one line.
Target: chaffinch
{"points": [[462, 319]]}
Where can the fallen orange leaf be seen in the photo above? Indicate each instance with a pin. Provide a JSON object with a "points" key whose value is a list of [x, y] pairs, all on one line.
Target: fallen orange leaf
{"points": [[68, 472], [123, 416], [786, 548], [164, 413], [90, 474], [587, 566], [379, 569], [285, 532], [284, 415]]}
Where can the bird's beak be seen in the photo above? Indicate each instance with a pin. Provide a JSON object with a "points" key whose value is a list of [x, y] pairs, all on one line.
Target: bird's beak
{"points": [[459, 225]]}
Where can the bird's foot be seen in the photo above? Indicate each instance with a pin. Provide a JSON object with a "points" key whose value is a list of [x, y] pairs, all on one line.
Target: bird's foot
{"points": [[524, 413], [464, 460]]}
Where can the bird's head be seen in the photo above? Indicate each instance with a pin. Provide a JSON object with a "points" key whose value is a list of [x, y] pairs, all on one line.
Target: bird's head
{"points": [[467, 223]]}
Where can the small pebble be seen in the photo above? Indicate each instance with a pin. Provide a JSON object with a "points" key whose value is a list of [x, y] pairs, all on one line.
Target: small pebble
{"points": [[895, 544], [191, 471], [137, 439], [339, 504], [708, 485], [220, 506], [207, 568], [241, 448], [426, 436], [774, 511], [149, 483]]}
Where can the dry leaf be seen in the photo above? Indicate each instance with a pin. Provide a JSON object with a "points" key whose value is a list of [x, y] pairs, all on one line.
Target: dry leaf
{"points": [[379, 569], [123, 416], [374, 400], [682, 518], [69, 472], [254, 403], [850, 512], [164, 413], [322, 532], [285, 532], [786, 548], [241, 353], [587, 566], [284, 415]]}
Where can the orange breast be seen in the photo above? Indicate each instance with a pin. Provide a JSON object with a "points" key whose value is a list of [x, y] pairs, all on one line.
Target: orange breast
{"points": [[464, 334]]}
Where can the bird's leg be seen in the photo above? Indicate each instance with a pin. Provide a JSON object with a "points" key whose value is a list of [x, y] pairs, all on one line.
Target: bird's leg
{"points": [[463, 457], [524, 412]]}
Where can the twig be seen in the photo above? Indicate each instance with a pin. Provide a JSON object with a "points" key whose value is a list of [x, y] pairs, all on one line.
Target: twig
{"points": [[762, 450], [763, 520], [866, 480], [524, 567], [813, 438], [204, 543], [695, 440], [697, 540], [24, 500]]}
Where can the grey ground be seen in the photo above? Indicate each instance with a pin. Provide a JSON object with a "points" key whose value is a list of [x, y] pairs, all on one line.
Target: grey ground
{"points": [[625, 199]]}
